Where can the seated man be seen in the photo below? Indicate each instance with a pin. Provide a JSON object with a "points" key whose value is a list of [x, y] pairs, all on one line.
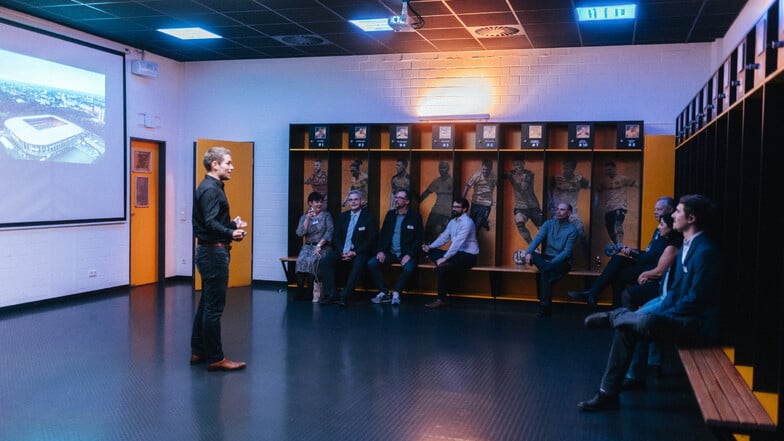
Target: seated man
{"points": [[628, 263], [688, 314], [399, 241], [354, 240], [559, 234], [462, 252]]}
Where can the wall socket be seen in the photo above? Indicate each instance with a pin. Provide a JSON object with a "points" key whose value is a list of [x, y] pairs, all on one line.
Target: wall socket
{"points": [[92, 273]]}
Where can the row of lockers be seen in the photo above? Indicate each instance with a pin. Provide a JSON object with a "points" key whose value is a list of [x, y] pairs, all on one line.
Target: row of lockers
{"points": [[756, 58]]}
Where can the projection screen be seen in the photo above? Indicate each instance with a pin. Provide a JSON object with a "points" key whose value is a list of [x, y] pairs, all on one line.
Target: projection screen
{"points": [[62, 129]]}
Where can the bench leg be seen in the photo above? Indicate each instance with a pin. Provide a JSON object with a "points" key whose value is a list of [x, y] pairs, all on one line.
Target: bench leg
{"points": [[290, 278], [495, 282]]}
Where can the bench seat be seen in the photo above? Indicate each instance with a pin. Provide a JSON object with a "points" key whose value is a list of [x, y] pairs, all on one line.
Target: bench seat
{"points": [[491, 270], [727, 403]]}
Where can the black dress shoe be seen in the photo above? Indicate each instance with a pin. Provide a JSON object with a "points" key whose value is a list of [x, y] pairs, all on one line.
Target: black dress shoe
{"points": [[600, 401], [632, 384], [544, 311], [598, 320], [331, 300], [586, 295]]}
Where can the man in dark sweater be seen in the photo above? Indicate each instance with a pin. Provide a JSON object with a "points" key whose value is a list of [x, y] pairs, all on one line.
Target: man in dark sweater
{"points": [[399, 241]]}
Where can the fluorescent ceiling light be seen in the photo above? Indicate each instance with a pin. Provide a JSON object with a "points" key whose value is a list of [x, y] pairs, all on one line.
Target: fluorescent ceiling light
{"points": [[372, 24], [189, 33], [613, 12], [464, 117]]}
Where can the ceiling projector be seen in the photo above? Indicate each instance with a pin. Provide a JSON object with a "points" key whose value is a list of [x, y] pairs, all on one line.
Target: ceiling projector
{"points": [[400, 23], [404, 23]]}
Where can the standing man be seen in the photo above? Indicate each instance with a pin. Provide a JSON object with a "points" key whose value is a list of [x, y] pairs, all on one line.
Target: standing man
{"points": [[354, 241], [461, 254], [399, 241], [566, 189], [613, 188], [626, 266], [559, 234], [526, 203], [214, 231], [688, 314], [400, 181], [440, 213], [484, 183]]}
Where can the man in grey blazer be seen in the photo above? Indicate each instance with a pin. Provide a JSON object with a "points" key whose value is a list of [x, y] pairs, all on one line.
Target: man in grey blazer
{"points": [[689, 314]]}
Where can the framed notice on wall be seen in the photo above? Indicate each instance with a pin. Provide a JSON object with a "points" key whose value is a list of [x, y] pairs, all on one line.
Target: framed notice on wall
{"points": [[142, 191], [142, 160]]}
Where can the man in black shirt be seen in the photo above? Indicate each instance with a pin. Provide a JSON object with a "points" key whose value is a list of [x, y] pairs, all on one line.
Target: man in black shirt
{"points": [[214, 231]]}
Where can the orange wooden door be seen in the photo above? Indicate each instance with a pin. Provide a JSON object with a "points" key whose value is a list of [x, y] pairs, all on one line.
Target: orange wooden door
{"points": [[239, 191], [144, 212]]}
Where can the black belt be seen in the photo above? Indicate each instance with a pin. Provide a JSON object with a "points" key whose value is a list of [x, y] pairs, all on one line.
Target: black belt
{"points": [[215, 244]]}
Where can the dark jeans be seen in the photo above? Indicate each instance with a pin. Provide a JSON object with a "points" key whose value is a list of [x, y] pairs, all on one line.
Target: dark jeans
{"points": [[632, 328], [637, 295], [620, 271], [213, 265], [445, 273], [331, 264], [374, 266], [549, 273]]}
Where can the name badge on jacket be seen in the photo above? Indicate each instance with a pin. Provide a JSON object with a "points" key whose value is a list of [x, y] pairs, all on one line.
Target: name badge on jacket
{"points": [[410, 227], [361, 229], [685, 270]]}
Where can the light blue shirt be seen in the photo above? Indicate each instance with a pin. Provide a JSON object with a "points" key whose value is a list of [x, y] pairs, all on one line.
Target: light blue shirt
{"points": [[461, 232]]}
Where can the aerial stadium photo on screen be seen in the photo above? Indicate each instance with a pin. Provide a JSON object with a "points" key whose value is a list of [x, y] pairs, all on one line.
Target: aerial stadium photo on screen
{"points": [[50, 111]]}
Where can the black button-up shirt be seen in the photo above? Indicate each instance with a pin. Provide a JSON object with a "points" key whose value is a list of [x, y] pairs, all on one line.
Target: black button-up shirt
{"points": [[211, 220]]}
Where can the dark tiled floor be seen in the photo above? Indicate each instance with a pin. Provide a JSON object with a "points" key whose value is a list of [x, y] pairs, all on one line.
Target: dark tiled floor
{"points": [[114, 367]]}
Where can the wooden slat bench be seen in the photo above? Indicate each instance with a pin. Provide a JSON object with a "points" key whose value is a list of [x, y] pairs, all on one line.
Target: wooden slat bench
{"points": [[727, 403], [492, 271]]}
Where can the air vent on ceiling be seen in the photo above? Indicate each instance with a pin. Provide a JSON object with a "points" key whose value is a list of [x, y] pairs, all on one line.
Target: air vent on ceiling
{"points": [[301, 40], [496, 31]]}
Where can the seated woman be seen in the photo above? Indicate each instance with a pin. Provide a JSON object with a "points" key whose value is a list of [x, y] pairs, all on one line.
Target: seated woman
{"points": [[648, 282], [316, 227], [651, 289]]}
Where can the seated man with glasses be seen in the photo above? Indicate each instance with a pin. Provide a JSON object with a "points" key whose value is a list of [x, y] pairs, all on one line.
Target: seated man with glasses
{"points": [[398, 242], [461, 254]]}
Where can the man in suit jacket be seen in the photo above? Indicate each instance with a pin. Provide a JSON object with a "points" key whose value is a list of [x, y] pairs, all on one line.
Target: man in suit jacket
{"points": [[354, 240], [688, 314], [399, 241], [625, 266]]}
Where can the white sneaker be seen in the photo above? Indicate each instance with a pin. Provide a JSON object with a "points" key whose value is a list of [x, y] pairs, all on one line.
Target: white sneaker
{"points": [[379, 298], [395, 298]]}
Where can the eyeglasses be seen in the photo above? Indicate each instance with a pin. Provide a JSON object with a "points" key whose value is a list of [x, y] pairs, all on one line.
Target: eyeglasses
{"points": [[457, 206], [401, 197]]}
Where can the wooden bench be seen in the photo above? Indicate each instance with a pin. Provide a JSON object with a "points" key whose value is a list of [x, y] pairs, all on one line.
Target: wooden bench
{"points": [[492, 270], [727, 403]]}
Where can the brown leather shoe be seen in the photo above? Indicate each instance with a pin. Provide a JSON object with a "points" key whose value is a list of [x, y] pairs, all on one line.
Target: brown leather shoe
{"points": [[437, 303], [197, 359], [226, 365]]}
